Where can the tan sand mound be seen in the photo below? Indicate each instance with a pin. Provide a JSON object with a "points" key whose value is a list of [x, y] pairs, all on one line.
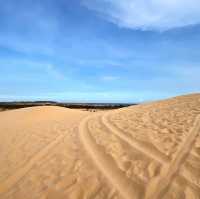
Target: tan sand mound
{"points": [[148, 151]]}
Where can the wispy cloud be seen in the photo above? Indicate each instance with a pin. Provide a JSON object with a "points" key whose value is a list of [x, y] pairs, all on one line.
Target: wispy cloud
{"points": [[148, 14], [22, 21], [100, 62], [109, 78], [52, 70], [107, 96], [36, 67]]}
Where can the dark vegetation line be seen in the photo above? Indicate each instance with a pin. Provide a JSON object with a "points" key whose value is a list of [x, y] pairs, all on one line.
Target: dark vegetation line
{"points": [[16, 105]]}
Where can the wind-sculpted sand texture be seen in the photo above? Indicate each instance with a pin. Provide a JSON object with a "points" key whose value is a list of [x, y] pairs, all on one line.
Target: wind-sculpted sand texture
{"points": [[169, 132], [41, 157], [149, 151]]}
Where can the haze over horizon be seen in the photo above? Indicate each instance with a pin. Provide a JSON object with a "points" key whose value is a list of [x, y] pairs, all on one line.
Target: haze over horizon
{"points": [[99, 50]]}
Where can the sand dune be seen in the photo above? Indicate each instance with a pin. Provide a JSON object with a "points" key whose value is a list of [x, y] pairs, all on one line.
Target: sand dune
{"points": [[148, 151]]}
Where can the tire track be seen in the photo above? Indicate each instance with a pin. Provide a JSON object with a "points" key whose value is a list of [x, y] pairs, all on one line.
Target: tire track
{"points": [[162, 184], [149, 152], [106, 164]]}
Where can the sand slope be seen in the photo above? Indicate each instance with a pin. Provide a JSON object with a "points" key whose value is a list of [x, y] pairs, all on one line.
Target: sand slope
{"points": [[146, 151], [41, 156]]}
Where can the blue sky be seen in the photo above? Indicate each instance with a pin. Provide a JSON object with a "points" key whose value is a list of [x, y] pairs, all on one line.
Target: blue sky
{"points": [[99, 50]]}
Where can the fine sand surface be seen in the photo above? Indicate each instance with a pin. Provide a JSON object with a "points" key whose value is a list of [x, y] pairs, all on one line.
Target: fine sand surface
{"points": [[149, 151]]}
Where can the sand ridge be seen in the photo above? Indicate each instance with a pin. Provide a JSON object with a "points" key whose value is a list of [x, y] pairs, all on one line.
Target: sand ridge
{"points": [[161, 184], [143, 152]]}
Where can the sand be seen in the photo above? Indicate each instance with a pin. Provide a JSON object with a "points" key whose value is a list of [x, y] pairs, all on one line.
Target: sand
{"points": [[148, 151]]}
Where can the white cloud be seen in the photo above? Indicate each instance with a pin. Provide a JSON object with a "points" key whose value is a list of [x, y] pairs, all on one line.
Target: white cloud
{"points": [[158, 15]]}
